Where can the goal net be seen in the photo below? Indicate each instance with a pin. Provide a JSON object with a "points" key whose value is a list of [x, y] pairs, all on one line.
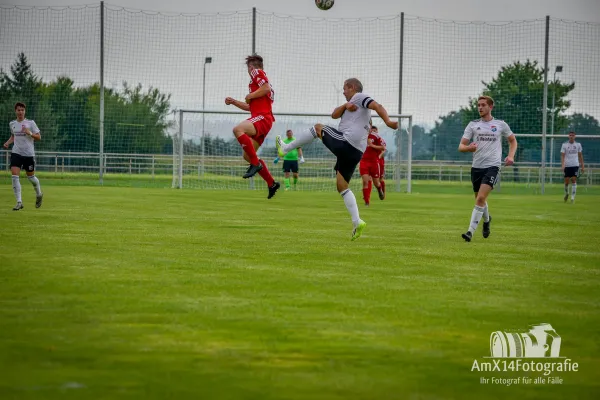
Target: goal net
{"points": [[206, 154]]}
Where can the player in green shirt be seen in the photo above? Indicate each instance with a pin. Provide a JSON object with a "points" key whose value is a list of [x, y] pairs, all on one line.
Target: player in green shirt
{"points": [[290, 161]]}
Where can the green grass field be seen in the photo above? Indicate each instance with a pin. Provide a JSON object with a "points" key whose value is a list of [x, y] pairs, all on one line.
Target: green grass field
{"points": [[114, 293]]}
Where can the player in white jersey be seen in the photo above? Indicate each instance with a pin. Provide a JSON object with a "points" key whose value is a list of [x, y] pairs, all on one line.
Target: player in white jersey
{"points": [[348, 142], [486, 134], [23, 133], [571, 159]]}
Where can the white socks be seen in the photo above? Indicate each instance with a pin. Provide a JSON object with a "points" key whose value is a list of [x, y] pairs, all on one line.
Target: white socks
{"points": [[486, 213], [16, 184], [303, 137], [475, 218], [350, 202], [573, 191], [36, 184]]}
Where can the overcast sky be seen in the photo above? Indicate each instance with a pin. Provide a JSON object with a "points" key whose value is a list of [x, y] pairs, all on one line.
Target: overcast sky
{"points": [[498, 10]]}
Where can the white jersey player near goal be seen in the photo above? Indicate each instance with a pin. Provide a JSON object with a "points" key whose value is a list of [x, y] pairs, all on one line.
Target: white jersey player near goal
{"points": [[486, 135], [571, 155], [348, 142]]}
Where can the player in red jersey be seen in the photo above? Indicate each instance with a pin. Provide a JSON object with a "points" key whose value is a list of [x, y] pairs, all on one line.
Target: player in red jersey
{"points": [[252, 132], [381, 169], [369, 165]]}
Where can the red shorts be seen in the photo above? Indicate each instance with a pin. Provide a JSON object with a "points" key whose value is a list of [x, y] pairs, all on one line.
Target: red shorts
{"points": [[368, 167], [262, 124]]}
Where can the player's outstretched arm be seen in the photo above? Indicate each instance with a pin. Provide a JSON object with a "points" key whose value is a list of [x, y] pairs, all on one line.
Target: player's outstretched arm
{"points": [[239, 104], [382, 112]]}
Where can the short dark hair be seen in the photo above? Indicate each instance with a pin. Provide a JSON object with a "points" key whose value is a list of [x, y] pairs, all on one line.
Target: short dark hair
{"points": [[289, 130], [19, 104], [255, 61], [573, 132]]}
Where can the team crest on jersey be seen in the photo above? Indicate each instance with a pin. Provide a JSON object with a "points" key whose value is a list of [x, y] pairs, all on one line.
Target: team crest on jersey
{"points": [[494, 129]]}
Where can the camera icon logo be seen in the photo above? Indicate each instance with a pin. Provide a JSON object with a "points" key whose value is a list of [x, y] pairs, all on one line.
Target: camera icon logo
{"points": [[540, 341]]}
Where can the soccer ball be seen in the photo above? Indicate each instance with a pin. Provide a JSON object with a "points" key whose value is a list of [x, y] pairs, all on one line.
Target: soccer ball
{"points": [[324, 4]]}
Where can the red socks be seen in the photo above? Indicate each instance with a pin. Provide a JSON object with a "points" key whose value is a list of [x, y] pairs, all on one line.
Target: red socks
{"points": [[248, 147], [367, 194], [265, 174]]}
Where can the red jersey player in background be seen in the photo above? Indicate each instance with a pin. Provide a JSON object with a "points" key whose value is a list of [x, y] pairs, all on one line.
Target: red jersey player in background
{"points": [[369, 165], [381, 169], [252, 132]]}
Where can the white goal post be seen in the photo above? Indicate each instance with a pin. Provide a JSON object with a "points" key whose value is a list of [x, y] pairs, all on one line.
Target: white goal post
{"points": [[206, 154]]}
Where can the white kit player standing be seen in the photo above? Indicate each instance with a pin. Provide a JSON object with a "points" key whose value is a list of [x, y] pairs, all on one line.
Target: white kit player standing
{"points": [[571, 155], [486, 134]]}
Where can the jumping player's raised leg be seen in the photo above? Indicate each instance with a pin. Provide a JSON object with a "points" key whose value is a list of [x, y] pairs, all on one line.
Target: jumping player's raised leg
{"points": [[264, 171], [303, 137], [243, 132]]}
